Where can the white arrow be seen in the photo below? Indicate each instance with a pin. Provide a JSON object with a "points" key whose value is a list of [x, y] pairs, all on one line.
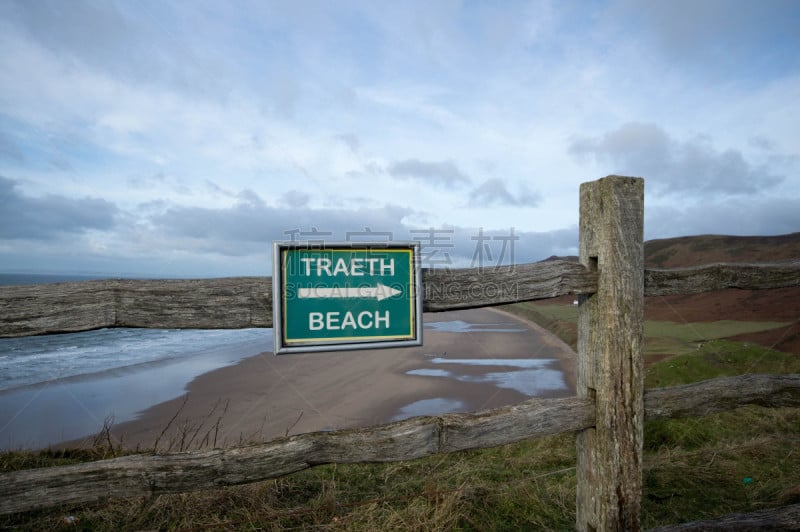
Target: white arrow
{"points": [[379, 292]]}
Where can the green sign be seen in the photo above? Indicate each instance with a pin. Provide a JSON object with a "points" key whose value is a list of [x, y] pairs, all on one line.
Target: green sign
{"points": [[353, 295]]}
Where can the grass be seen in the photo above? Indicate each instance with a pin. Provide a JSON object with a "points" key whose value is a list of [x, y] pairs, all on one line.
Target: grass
{"points": [[530, 485], [695, 468], [720, 358], [670, 338], [694, 332], [661, 337], [695, 472]]}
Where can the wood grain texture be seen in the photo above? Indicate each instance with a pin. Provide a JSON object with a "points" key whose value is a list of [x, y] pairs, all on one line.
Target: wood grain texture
{"points": [[474, 287], [723, 393], [227, 303], [712, 277], [139, 475], [610, 364], [784, 518], [239, 302]]}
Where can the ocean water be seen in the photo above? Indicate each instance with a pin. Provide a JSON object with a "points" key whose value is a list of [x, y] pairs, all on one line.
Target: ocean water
{"points": [[38, 359], [11, 279], [61, 387]]}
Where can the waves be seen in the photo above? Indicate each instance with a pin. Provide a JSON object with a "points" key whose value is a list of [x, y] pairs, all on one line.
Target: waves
{"points": [[33, 360]]}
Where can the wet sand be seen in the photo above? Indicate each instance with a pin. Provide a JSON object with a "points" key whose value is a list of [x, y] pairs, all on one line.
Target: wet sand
{"points": [[268, 396]]}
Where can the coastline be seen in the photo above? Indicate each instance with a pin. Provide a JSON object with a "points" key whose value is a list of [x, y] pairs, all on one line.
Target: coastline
{"points": [[263, 397], [62, 408]]}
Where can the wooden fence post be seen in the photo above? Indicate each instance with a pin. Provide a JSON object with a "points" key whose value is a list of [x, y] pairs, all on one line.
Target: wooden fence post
{"points": [[610, 369]]}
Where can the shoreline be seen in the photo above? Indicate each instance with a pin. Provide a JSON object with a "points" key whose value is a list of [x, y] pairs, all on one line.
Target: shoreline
{"points": [[265, 396], [64, 408]]}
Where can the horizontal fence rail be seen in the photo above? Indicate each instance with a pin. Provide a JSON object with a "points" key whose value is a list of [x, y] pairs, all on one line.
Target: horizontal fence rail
{"points": [[710, 277], [239, 302], [785, 518], [145, 475]]}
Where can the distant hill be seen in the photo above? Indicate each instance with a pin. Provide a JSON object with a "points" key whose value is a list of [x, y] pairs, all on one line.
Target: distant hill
{"points": [[571, 258], [776, 305], [688, 251]]}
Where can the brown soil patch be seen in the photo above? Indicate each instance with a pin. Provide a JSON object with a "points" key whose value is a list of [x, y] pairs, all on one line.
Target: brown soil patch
{"points": [[781, 304], [786, 339], [707, 249]]}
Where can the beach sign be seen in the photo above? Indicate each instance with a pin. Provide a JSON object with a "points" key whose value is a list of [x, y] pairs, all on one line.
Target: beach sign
{"points": [[346, 295]]}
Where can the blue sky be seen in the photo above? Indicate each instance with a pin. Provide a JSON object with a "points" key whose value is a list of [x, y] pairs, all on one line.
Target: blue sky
{"points": [[182, 138]]}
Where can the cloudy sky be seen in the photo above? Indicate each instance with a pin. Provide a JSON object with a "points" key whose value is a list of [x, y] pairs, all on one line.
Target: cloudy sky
{"points": [[181, 138]]}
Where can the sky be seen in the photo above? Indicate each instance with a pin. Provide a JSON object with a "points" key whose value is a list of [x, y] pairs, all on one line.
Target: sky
{"points": [[181, 138]]}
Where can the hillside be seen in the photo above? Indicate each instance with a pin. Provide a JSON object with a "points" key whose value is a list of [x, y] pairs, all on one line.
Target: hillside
{"points": [[688, 251], [743, 307]]}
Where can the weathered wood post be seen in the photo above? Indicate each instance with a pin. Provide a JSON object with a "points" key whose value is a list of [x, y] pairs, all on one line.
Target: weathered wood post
{"points": [[610, 369]]}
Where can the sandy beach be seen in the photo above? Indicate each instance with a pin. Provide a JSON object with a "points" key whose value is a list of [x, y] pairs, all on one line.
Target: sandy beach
{"points": [[471, 360]]}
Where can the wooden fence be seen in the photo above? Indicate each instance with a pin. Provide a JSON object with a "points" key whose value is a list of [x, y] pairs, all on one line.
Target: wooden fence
{"points": [[608, 412], [239, 302]]}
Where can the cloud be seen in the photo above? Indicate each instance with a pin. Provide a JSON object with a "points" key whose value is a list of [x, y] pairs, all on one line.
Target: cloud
{"points": [[350, 140], [441, 173], [217, 190], [9, 150], [135, 46], [673, 166], [249, 198], [494, 192], [734, 216], [714, 37], [247, 229], [761, 142], [469, 247], [43, 218], [295, 198], [274, 108], [250, 226]]}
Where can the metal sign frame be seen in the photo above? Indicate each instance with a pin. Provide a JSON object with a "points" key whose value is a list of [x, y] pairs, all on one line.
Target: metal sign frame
{"points": [[286, 296]]}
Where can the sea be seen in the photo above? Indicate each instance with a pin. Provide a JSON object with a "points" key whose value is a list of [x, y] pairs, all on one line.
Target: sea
{"points": [[103, 374]]}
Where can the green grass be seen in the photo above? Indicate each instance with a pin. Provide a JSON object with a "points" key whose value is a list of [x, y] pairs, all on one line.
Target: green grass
{"points": [[720, 358], [670, 338], [660, 337], [694, 332], [738, 461], [694, 468], [559, 312], [707, 467], [530, 485]]}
